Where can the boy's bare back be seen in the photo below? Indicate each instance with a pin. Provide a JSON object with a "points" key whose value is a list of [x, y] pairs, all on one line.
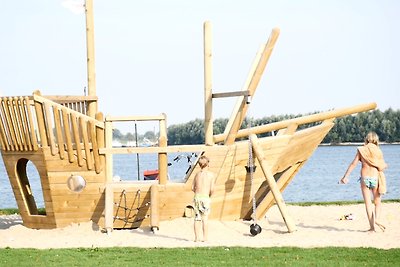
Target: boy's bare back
{"points": [[203, 183]]}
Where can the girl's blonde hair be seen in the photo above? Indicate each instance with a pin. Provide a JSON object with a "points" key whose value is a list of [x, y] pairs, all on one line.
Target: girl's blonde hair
{"points": [[203, 162], [372, 137]]}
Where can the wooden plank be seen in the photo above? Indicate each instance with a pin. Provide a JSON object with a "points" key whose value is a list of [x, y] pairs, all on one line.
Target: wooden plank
{"points": [[3, 125], [49, 127], [16, 122], [95, 148], [20, 123], [9, 124], [84, 132], [68, 134], [41, 122], [77, 139], [100, 135], [59, 134], [24, 106], [25, 124]]}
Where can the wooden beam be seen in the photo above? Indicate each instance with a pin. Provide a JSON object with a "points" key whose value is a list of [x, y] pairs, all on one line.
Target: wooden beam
{"points": [[134, 118], [156, 149], [299, 121], [272, 183], [240, 110]]}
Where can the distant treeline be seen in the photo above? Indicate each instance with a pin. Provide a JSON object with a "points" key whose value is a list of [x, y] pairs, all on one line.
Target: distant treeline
{"points": [[352, 128]]}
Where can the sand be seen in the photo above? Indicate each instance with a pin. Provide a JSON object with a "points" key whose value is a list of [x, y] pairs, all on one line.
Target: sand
{"points": [[316, 226]]}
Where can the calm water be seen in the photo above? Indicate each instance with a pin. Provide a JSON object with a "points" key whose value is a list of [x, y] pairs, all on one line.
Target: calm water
{"points": [[316, 181]]}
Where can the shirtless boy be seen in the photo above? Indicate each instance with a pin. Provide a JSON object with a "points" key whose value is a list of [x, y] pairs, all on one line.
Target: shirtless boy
{"points": [[372, 164], [203, 188]]}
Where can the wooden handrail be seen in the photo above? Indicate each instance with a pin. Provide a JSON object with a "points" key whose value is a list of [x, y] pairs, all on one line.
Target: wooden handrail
{"points": [[44, 100]]}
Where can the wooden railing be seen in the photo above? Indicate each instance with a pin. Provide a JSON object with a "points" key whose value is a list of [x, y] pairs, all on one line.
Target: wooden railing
{"points": [[77, 103], [29, 123]]}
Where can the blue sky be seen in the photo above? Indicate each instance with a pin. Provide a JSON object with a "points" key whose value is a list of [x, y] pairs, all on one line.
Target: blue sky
{"points": [[149, 54]]}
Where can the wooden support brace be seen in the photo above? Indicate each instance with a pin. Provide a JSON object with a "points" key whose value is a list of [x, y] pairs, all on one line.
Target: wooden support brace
{"points": [[272, 183]]}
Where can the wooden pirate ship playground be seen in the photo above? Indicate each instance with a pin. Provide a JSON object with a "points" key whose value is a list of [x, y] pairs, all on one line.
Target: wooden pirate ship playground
{"points": [[70, 143]]}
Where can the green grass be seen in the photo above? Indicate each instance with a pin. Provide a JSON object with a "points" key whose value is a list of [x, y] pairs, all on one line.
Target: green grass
{"points": [[219, 256]]}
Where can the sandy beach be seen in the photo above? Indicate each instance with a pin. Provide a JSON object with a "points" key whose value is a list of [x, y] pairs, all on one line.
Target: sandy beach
{"points": [[317, 226]]}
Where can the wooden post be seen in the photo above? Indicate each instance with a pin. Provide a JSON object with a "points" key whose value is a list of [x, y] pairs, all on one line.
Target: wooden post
{"points": [[208, 119], [108, 156], [109, 208], [109, 191], [154, 208], [92, 105], [162, 157], [272, 183]]}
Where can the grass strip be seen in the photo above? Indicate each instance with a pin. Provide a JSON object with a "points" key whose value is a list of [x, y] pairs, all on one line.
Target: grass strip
{"points": [[204, 256]]}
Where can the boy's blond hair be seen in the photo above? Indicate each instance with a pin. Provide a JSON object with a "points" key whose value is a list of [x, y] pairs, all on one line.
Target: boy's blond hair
{"points": [[372, 137], [203, 162]]}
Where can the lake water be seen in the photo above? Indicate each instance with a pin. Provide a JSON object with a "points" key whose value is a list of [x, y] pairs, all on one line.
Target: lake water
{"points": [[317, 181]]}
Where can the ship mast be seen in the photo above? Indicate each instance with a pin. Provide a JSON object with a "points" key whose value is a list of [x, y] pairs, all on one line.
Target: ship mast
{"points": [[91, 73]]}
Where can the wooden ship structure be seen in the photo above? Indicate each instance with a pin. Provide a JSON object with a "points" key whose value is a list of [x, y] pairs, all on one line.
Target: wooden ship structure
{"points": [[70, 144]]}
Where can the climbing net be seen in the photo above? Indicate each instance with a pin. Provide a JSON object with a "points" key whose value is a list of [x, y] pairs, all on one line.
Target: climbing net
{"points": [[130, 213]]}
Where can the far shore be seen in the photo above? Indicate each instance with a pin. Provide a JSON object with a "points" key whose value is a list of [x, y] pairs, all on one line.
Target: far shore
{"points": [[355, 144]]}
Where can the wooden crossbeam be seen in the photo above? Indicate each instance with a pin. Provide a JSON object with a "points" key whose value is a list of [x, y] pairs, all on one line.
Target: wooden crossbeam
{"points": [[231, 94]]}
